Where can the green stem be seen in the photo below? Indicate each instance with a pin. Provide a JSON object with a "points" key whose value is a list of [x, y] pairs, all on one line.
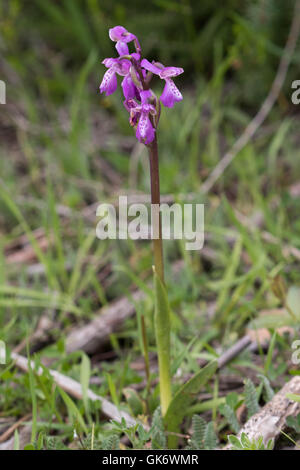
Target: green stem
{"points": [[146, 354], [162, 327]]}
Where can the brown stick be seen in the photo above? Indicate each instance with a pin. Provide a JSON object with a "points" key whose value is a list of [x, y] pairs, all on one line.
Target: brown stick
{"points": [[234, 351], [74, 389], [270, 420], [5, 436], [24, 438], [95, 334]]}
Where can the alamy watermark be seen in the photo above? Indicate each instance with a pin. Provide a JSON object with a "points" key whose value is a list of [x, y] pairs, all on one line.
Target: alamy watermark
{"points": [[296, 353], [137, 222], [2, 92], [296, 93]]}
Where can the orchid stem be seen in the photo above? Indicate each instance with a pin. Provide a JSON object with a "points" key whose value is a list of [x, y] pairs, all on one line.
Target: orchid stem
{"points": [[161, 329], [155, 200]]}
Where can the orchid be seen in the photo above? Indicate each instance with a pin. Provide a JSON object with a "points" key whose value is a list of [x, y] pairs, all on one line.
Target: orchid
{"points": [[137, 73], [144, 109]]}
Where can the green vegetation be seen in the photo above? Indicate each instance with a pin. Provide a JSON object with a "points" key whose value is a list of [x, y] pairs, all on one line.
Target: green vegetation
{"points": [[64, 149]]}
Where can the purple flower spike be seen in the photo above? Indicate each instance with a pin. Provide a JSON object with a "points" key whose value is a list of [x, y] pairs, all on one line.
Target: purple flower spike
{"points": [[141, 103], [171, 94]]}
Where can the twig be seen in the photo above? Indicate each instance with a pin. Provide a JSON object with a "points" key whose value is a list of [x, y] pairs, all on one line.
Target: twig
{"points": [[234, 351], [266, 107], [270, 420], [5, 436], [24, 438], [95, 334], [74, 389]]}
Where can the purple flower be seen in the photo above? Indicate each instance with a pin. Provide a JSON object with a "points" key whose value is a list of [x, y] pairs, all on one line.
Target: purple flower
{"points": [[141, 103], [120, 66], [171, 94], [115, 66], [139, 114], [109, 82], [120, 35]]}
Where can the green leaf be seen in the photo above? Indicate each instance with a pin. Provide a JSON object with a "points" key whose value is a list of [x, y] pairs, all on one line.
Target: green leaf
{"points": [[29, 447], [16, 440], [136, 404], [293, 300], [294, 422], [199, 428], [72, 408], [251, 400], [235, 442], [112, 388], [245, 440], [210, 438], [85, 373], [268, 390], [184, 397], [270, 444], [232, 399], [294, 397], [229, 414], [158, 440]]}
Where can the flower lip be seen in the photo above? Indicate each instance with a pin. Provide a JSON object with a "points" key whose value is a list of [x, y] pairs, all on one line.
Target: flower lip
{"points": [[171, 94], [109, 82]]}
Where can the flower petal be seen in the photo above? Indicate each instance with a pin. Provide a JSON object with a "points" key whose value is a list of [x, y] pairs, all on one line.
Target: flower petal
{"points": [[129, 88], [145, 95], [171, 94], [171, 72], [109, 62], [122, 48], [145, 132], [119, 33], [109, 82], [151, 67]]}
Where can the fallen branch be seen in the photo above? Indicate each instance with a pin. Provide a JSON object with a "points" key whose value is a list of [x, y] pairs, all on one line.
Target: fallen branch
{"points": [[6, 435], [234, 351], [270, 420], [91, 337], [24, 438], [73, 388], [95, 334]]}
